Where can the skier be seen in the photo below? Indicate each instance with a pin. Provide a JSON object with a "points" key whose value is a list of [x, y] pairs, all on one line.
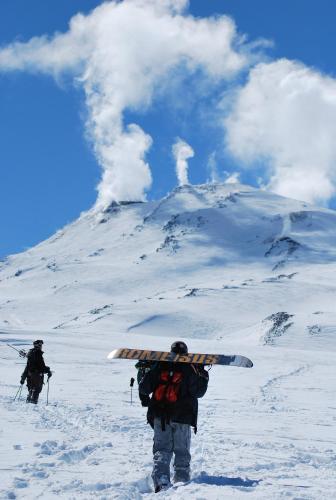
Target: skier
{"points": [[172, 410], [34, 372]]}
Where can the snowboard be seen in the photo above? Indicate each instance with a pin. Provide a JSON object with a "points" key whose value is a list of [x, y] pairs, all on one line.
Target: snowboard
{"points": [[201, 359]]}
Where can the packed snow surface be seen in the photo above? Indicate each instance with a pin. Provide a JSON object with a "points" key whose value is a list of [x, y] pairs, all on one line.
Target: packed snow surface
{"points": [[226, 268]]}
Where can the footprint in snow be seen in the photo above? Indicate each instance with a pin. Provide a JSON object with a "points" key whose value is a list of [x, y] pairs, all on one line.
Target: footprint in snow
{"points": [[74, 456], [20, 483], [50, 448], [10, 495]]}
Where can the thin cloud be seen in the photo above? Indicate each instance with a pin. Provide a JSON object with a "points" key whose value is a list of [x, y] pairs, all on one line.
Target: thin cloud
{"points": [[121, 54]]}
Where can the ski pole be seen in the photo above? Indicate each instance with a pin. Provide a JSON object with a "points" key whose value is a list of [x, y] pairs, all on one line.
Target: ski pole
{"points": [[48, 392], [131, 386], [22, 352], [18, 393]]}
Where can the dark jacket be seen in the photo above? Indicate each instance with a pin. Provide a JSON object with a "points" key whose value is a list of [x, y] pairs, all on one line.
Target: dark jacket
{"points": [[193, 386], [35, 364]]}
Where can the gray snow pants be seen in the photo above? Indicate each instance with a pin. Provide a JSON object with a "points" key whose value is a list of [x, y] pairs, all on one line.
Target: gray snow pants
{"points": [[174, 439]]}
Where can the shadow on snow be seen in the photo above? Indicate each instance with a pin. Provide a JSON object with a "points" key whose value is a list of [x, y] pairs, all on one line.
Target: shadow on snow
{"points": [[204, 478]]}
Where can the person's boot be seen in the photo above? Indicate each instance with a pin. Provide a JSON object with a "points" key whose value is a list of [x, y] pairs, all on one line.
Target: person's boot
{"points": [[28, 400], [181, 476], [34, 397], [162, 485]]}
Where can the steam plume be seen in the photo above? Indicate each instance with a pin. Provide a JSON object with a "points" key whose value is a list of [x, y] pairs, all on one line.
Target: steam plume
{"points": [[182, 152], [121, 54]]}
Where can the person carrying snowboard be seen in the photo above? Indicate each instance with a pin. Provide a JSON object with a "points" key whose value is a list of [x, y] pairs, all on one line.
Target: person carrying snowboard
{"points": [[172, 410], [34, 372]]}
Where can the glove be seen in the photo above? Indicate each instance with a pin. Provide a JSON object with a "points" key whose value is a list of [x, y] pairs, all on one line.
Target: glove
{"points": [[22, 381], [201, 372], [49, 374]]}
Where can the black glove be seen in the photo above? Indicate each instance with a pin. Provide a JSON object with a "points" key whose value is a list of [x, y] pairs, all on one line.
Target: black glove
{"points": [[202, 372], [22, 381], [49, 374]]}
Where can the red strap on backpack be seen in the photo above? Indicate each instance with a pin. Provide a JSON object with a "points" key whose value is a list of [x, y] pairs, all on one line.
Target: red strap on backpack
{"points": [[169, 387]]}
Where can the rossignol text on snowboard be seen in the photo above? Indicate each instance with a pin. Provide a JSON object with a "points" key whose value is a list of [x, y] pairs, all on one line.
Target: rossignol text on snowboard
{"points": [[201, 359]]}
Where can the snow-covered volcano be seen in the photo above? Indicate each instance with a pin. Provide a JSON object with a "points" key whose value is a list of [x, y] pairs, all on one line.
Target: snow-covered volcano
{"points": [[218, 261], [227, 268]]}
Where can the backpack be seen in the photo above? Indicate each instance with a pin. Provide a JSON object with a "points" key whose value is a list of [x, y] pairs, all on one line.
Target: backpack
{"points": [[31, 360], [35, 362], [168, 390]]}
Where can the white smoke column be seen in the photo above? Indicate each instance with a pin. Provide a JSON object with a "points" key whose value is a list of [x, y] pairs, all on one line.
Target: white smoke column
{"points": [[212, 168], [233, 178], [182, 152], [121, 54], [285, 117]]}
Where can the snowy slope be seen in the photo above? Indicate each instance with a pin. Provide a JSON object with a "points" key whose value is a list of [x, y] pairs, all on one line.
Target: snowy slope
{"points": [[210, 260], [229, 269]]}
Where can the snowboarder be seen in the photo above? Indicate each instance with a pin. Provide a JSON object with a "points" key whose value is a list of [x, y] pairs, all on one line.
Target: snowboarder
{"points": [[34, 372], [172, 410]]}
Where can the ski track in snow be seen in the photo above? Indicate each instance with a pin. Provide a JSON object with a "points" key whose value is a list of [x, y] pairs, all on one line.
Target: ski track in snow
{"points": [[89, 436], [270, 391]]}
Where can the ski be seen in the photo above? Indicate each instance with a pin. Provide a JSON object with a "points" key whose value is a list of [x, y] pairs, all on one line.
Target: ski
{"points": [[22, 352], [202, 359]]}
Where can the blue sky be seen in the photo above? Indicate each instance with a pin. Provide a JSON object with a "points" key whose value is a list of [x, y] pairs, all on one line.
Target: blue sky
{"points": [[49, 172]]}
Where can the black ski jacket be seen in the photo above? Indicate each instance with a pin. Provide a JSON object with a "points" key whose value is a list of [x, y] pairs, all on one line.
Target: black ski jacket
{"points": [[35, 364], [193, 386]]}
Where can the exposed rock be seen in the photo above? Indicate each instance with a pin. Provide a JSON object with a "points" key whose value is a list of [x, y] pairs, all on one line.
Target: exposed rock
{"points": [[314, 329], [279, 326], [170, 243], [192, 293], [98, 310], [283, 246]]}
